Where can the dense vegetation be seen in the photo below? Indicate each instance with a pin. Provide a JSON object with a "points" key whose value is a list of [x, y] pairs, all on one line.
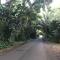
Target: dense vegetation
{"points": [[50, 25], [19, 20]]}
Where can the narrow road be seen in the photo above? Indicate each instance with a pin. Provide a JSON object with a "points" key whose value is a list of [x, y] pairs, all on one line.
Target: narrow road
{"points": [[31, 51]]}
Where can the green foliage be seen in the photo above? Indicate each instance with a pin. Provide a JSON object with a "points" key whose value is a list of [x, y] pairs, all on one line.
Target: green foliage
{"points": [[55, 31], [51, 30], [17, 21], [4, 44], [49, 24]]}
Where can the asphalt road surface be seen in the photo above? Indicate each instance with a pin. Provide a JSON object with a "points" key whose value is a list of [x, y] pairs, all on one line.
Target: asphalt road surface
{"points": [[34, 50]]}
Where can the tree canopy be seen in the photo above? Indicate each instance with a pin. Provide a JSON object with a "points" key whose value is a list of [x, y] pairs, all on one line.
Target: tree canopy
{"points": [[20, 19]]}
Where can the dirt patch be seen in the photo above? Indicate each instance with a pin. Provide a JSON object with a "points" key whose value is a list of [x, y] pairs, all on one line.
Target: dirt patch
{"points": [[53, 51], [55, 48]]}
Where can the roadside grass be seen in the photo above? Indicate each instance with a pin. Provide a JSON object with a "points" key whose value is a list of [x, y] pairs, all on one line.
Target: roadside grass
{"points": [[4, 44]]}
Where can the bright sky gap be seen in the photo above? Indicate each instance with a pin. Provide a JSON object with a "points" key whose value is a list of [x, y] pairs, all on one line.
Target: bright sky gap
{"points": [[54, 4]]}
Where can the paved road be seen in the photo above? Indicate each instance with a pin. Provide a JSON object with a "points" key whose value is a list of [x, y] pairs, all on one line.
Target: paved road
{"points": [[30, 51]]}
